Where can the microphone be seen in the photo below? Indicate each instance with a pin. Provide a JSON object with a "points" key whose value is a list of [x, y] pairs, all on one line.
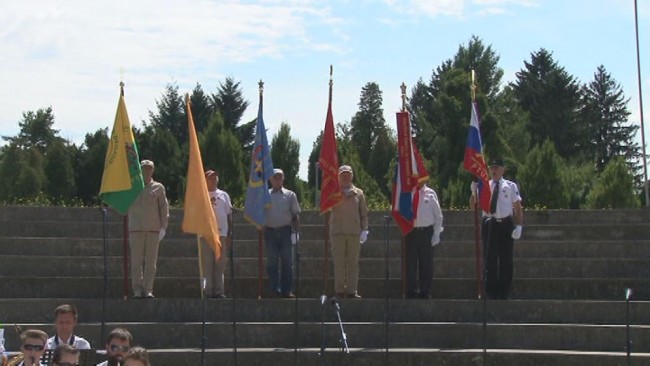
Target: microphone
{"points": [[323, 298], [628, 293]]}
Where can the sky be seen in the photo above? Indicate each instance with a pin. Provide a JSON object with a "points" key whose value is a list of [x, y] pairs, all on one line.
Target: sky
{"points": [[72, 54]]}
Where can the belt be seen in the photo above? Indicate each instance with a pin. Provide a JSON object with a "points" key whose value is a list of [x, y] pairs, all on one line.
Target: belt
{"points": [[277, 227], [422, 227], [496, 219]]}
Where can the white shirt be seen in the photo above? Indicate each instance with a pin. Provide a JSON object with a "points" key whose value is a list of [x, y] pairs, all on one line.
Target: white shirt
{"points": [[429, 212], [77, 342], [222, 207], [508, 194]]}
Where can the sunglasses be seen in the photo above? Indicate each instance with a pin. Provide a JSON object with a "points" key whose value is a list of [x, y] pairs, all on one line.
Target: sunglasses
{"points": [[67, 364], [115, 347], [33, 347]]}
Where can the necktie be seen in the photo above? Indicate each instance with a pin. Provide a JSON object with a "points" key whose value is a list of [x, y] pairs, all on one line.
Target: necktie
{"points": [[495, 197]]}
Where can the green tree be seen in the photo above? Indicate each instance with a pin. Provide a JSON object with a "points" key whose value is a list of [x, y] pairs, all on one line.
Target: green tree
{"points": [[368, 122], [21, 173], [60, 182], [604, 115], [170, 114], [89, 166], [36, 130], [221, 151], [201, 109], [285, 153], [550, 96], [160, 146], [229, 101], [614, 188], [541, 178]]}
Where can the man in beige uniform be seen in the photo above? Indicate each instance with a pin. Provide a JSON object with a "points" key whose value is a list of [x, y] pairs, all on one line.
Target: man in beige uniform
{"points": [[348, 231], [148, 217]]}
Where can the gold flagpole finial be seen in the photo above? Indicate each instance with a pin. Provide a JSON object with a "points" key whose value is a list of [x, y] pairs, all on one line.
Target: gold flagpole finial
{"points": [[473, 86], [403, 88]]}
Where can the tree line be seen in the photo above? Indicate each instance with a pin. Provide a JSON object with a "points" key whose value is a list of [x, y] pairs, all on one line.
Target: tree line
{"points": [[566, 143]]}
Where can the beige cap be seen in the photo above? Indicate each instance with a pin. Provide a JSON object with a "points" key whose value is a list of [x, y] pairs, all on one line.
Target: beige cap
{"points": [[147, 163], [345, 169]]}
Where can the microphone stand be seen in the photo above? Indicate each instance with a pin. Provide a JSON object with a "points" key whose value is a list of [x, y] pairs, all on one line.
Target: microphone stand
{"points": [[295, 309], [105, 244], [203, 336], [628, 343], [485, 294], [344, 338], [321, 354], [386, 285]]}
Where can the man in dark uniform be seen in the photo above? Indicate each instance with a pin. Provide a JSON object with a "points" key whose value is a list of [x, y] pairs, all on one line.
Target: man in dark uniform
{"points": [[501, 226]]}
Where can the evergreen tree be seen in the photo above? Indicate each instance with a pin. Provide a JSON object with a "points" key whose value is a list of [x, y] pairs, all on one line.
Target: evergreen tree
{"points": [[160, 145], [604, 115], [171, 115], [60, 182], [542, 183], [229, 101], [550, 97], [36, 130], [368, 122], [221, 151], [89, 166], [201, 109], [614, 188], [285, 153]]}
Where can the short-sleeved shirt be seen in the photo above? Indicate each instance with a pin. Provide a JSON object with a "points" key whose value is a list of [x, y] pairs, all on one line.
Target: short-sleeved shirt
{"points": [[284, 206], [508, 194], [429, 212], [222, 207]]}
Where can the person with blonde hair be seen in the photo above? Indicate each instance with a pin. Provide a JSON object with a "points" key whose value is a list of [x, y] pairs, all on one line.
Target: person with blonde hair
{"points": [[137, 356]]}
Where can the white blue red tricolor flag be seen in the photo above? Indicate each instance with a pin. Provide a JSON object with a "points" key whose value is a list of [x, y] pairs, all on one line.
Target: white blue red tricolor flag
{"points": [[475, 161], [409, 171]]}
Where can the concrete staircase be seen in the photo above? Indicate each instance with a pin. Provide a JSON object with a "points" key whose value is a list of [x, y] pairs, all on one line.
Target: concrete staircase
{"points": [[571, 272]]}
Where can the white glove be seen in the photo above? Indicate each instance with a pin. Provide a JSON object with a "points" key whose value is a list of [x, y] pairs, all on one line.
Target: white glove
{"points": [[294, 238], [161, 234], [516, 233], [435, 239], [474, 187], [363, 237]]}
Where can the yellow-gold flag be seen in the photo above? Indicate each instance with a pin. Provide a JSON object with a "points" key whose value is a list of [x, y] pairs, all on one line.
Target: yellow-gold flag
{"points": [[198, 216]]}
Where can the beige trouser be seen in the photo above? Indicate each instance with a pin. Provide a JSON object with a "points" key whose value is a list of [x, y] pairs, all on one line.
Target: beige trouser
{"points": [[345, 256], [213, 270], [144, 255]]}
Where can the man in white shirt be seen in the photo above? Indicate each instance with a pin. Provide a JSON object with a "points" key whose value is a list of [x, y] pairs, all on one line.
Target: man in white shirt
{"points": [[420, 242], [501, 226], [65, 320], [222, 208]]}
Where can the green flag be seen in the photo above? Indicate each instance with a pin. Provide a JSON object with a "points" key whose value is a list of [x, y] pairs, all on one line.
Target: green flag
{"points": [[122, 181]]}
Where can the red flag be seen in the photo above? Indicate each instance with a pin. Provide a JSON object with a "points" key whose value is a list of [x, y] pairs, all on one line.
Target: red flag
{"points": [[409, 171], [330, 194], [475, 162]]}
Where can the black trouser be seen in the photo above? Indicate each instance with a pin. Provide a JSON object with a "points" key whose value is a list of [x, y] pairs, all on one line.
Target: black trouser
{"points": [[498, 251], [419, 259]]}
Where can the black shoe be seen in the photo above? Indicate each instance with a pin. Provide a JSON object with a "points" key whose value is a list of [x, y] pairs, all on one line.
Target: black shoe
{"points": [[424, 296]]}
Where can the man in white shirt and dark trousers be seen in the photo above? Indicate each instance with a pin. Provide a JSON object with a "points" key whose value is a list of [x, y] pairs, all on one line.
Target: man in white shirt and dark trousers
{"points": [[222, 207], [420, 242], [501, 226]]}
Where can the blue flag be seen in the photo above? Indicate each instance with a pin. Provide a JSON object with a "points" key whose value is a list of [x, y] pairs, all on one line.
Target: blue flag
{"points": [[257, 193]]}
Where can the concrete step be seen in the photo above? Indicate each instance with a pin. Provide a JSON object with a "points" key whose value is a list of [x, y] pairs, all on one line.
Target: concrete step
{"points": [[395, 357], [309, 310], [185, 287], [445, 335], [178, 247], [452, 217], [315, 232], [53, 266]]}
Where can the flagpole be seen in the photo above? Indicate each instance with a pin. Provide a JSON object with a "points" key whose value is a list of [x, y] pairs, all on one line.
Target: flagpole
{"points": [[477, 246], [638, 70], [200, 254], [260, 263], [125, 236], [403, 241], [326, 217]]}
